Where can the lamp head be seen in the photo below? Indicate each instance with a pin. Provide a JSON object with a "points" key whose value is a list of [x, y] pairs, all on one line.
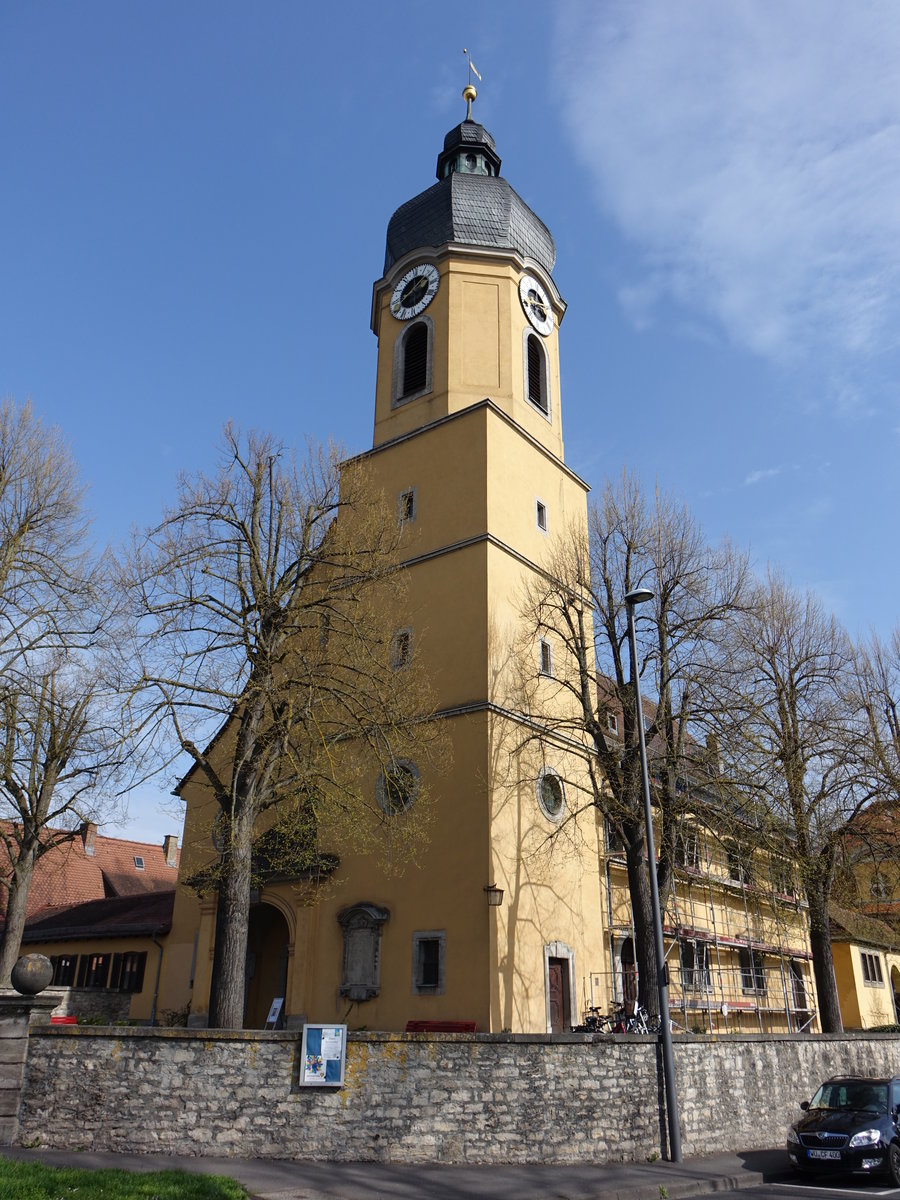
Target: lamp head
{"points": [[638, 596]]}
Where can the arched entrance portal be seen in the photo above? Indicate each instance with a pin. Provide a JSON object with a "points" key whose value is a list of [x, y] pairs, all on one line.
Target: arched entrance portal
{"points": [[267, 957]]}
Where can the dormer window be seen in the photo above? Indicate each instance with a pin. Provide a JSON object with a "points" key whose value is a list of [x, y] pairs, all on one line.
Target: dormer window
{"points": [[138, 862]]}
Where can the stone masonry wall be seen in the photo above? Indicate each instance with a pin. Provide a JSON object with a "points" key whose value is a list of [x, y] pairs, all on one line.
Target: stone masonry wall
{"points": [[413, 1098]]}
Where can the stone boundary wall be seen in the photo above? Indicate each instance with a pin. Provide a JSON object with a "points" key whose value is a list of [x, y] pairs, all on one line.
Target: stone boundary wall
{"points": [[90, 1004], [410, 1098]]}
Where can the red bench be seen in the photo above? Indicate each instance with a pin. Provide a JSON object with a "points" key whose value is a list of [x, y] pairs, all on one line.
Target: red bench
{"points": [[63, 1020], [441, 1027]]}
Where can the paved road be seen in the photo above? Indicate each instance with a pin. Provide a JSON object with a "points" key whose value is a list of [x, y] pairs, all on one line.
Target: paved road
{"points": [[831, 1189]]}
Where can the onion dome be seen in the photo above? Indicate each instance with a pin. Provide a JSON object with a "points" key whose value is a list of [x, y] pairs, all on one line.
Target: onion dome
{"points": [[470, 205]]}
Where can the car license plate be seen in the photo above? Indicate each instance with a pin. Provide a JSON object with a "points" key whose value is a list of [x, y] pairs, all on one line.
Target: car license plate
{"points": [[829, 1154]]}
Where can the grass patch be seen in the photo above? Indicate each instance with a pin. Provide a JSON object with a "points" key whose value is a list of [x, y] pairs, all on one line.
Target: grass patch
{"points": [[35, 1181]]}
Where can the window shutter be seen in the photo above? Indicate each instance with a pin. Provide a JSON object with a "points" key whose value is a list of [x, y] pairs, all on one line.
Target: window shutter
{"points": [[415, 359]]}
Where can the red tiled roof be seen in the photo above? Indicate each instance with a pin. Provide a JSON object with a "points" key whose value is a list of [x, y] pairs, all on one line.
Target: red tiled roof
{"points": [[70, 874], [121, 916]]}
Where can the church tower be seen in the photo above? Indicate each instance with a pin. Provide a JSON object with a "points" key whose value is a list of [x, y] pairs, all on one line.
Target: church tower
{"points": [[500, 924], [468, 439]]}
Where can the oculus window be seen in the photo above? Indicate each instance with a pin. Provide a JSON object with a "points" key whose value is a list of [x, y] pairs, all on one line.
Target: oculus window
{"points": [[550, 794], [397, 787]]}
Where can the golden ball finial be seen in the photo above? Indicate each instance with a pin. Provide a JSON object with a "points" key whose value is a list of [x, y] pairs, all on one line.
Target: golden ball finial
{"points": [[469, 94]]}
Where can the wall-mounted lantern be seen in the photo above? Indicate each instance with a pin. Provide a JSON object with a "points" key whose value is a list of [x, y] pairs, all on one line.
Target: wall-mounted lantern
{"points": [[494, 895]]}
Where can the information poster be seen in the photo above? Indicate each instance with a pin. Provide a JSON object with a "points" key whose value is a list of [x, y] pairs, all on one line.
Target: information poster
{"points": [[323, 1055]]}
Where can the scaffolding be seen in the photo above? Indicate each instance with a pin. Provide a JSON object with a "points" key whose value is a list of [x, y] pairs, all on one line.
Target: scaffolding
{"points": [[736, 937]]}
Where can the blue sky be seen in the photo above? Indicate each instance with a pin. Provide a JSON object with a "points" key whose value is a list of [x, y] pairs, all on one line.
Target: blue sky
{"points": [[195, 197]]}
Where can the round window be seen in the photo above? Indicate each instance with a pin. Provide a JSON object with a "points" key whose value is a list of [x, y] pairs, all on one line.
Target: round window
{"points": [[551, 796], [397, 787]]}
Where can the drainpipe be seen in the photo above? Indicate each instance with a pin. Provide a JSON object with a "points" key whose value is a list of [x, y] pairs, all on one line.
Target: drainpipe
{"points": [[158, 972]]}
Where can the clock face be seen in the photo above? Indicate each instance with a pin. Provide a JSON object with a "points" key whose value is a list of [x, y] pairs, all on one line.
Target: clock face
{"points": [[414, 291], [536, 304]]}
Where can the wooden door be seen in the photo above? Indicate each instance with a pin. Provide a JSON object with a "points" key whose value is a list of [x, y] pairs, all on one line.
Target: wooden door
{"points": [[558, 984]]}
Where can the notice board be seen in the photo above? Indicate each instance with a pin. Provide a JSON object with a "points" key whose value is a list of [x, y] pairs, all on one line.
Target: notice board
{"points": [[323, 1055]]}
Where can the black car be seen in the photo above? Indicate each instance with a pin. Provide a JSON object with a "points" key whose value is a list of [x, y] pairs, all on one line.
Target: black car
{"points": [[849, 1125]]}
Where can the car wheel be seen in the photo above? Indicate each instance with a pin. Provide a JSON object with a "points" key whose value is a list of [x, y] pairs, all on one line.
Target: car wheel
{"points": [[894, 1162]]}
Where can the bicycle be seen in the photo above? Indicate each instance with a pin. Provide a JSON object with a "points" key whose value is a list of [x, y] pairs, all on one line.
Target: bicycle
{"points": [[593, 1021]]}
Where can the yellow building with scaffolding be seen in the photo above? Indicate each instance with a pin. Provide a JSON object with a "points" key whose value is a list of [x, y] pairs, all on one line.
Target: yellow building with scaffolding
{"points": [[736, 936]]}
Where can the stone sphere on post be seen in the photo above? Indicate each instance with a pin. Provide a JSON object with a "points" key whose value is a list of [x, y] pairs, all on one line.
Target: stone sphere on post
{"points": [[31, 974]]}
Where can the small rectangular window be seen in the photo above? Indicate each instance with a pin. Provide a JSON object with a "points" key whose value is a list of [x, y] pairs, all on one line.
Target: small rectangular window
{"points": [[546, 658], [687, 849], [429, 956], [615, 842], [878, 887], [93, 970], [541, 515], [739, 864], [753, 971], [695, 973], [871, 965], [612, 723], [128, 971], [64, 966], [406, 506], [401, 645], [139, 862], [324, 628]]}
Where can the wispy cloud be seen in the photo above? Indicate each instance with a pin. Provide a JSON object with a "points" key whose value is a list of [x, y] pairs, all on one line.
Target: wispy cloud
{"points": [[759, 476], [751, 151]]}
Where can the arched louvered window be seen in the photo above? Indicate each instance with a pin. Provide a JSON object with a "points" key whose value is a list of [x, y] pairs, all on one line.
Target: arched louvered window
{"points": [[536, 373], [415, 359], [413, 354]]}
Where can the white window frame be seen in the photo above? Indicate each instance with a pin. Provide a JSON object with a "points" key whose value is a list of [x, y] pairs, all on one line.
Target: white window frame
{"points": [[540, 515], [873, 976]]}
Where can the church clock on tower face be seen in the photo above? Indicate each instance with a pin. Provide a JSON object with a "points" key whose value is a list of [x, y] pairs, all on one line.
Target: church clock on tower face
{"points": [[536, 304], [414, 291]]}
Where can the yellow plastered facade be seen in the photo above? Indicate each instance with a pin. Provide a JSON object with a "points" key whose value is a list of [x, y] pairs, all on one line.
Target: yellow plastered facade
{"points": [[478, 458]]}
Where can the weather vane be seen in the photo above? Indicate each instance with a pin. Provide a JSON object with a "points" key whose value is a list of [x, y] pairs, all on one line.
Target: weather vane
{"points": [[469, 92]]}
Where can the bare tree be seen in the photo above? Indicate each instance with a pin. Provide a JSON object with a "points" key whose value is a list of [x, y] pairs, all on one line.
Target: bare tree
{"points": [[265, 609], [634, 541], [45, 571], [877, 691], [794, 742], [61, 745], [59, 733]]}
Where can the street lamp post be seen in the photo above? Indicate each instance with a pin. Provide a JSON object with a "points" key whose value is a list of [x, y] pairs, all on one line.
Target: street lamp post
{"points": [[640, 596]]}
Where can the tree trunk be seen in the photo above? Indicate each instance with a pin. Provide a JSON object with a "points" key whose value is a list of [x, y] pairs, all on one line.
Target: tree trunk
{"points": [[642, 916], [226, 1008], [16, 905], [823, 964]]}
